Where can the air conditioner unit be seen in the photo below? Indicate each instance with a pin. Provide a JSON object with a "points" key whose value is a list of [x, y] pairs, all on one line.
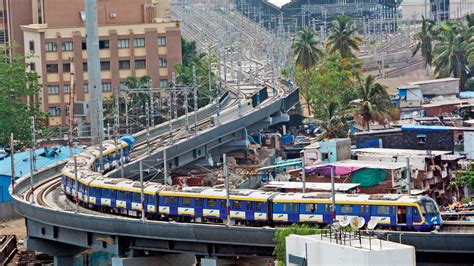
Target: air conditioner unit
{"points": [[113, 15]]}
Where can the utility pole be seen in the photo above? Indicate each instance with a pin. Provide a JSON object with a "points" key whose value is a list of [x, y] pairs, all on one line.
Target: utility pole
{"points": [[195, 99], [12, 155], [32, 159], [408, 176], [303, 174], [126, 112], [227, 188], [76, 184], [210, 71], [93, 66], [186, 108], [72, 92], [147, 125], [142, 195], [152, 110], [333, 194], [165, 168]]}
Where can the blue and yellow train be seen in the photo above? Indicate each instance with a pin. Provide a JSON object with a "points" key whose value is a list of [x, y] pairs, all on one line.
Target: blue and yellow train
{"points": [[249, 207]]}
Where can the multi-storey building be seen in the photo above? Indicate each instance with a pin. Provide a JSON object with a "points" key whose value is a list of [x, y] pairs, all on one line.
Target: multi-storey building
{"points": [[136, 39]]}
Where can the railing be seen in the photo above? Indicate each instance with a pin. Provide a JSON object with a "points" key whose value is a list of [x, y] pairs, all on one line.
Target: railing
{"points": [[7, 248]]}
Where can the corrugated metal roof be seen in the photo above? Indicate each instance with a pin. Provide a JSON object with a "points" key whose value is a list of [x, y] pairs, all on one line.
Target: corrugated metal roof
{"points": [[22, 161]]}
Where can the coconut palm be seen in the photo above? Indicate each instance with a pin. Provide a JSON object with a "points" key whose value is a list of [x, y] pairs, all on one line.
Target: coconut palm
{"points": [[334, 121], [450, 54], [424, 42], [342, 37], [373, 103], [306, 49]]}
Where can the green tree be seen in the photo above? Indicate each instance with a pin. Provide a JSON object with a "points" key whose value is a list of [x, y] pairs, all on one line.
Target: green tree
{"points": [[450, 54], [373, 103], [306, 49], [184, 72], [17, 87], [334, 121], [424, 42], [283, 232], [342, 37]]}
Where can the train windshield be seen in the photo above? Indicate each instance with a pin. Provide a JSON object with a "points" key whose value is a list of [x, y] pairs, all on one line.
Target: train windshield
{"points": [[428, 207]]}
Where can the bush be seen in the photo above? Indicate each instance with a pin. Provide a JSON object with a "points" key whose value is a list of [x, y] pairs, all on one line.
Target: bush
{"points": [[470, 85], [282, 233]]}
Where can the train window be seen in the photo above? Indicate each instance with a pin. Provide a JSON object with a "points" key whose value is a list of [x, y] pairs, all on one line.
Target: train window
{"points": [[95, 191], [173, 201], [151, 200], [258, 206], [198, 202], [311, 207], [211, 203], [290, 207], [166, 201], [236, 205], [416, 215], [106, 193], [137, 197], [250, 205], [383, 210], [121, 195], [364, 209], [327, 208], [346, 209], [186, 202]]}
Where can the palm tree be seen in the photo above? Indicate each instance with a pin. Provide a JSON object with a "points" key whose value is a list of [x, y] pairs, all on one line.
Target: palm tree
{"points": [[373, 104], [334, 122], [450, 54], [424, 42], [306, 49], [342, 37]]}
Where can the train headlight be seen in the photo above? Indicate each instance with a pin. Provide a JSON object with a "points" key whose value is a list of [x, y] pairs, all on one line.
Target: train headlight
{"points": [[437, 227]]}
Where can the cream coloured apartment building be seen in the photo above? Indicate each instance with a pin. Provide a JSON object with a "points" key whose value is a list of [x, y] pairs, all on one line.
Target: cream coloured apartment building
{"points": [[136, 38]]}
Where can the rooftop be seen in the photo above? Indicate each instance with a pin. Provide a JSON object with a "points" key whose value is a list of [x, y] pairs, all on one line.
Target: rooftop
{"points": [[22, 160], [279, 3], [397, 152], [366, 164], [433, 81], [343, 187]]}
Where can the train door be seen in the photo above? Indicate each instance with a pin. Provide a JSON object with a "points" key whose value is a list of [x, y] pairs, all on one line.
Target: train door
{"points": [[401, 215], [327, 215], [198, 203], [249, 210], [292, 209], [409, 216]]}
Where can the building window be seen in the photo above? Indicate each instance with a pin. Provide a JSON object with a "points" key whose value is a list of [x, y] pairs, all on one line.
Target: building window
{"points": [[139, 42], [104, 44], [122, 43], [54, 111], [86, 87], [66, 67], [53, 89], [163, 62], [32, 67], [84, 66], [52, 68], [106, 86], [124, 64], [324, 156], [50, 47], [67, 88], [32, 46], [163, 83], [140, 64], [421, 138], [161, 41], [105, 65], [3, 36], [67, 46], [84, 45]]}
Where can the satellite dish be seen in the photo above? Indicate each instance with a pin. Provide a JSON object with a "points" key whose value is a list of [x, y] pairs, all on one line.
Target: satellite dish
{"points": [[373, 223], [357, 222], [344, 221]]}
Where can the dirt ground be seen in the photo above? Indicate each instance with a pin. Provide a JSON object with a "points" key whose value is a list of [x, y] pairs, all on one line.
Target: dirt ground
{"points": [[14, 227], [17, 227]]}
